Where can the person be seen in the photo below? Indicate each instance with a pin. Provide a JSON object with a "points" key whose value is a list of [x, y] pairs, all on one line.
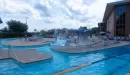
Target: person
{"points": [[75, 39], [128, 74], [9, 46], [129, 35], [25, 37], [68, 42], [90, 35]]}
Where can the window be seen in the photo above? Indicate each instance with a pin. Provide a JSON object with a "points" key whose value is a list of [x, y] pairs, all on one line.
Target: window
{"points": [[120, 20]]}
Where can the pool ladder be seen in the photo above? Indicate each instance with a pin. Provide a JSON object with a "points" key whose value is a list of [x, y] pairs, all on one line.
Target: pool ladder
{"points": [[11, 48]]}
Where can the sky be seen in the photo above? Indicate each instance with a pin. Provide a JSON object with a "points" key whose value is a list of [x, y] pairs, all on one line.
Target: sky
{"points": [[49, 14]]}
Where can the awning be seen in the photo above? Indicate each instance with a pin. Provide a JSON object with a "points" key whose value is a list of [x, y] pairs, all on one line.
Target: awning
{"points": [[107, 32], [82, 31], [102, 33]]}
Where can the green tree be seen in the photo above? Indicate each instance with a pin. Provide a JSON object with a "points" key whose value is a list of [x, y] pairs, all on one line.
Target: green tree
{"points": [[50, 32], [83, 27], [1, 21], [43, 33], [95, 30], [35, 30], [5, 29], [17, 26]]}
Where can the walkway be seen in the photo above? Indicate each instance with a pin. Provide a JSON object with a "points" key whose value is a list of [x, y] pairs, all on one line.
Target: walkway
{"points": [[22, 42], [82, 49], [24, 56]]}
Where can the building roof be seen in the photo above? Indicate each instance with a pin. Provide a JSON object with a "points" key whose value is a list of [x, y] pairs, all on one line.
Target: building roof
{"points": [[110, 7]]}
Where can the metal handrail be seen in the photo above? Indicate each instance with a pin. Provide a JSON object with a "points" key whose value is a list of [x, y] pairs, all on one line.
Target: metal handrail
{"points": [[11, 48]]}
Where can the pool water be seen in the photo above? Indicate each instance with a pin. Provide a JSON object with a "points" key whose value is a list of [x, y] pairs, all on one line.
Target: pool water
{"points": [[112, 61]]}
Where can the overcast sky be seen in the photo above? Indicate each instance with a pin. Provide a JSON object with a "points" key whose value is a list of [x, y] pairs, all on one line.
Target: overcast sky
{"points": [[47, 14]]}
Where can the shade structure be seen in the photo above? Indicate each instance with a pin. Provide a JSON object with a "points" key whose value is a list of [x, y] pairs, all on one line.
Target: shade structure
{"points": [[82, 31], [102, 33], [107, 32]]}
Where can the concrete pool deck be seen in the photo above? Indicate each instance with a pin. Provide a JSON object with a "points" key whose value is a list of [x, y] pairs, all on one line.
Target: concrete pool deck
{"points": [[24, 56], [22, 42], [83, 49]]}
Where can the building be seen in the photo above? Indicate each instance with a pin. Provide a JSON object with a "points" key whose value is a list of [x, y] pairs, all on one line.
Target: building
{"points": [[102, 26], [117, 18]]}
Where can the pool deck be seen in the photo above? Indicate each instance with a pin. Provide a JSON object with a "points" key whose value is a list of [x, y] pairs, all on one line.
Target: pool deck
{"points": [[24, 56], [22, 42], [83, 49]]}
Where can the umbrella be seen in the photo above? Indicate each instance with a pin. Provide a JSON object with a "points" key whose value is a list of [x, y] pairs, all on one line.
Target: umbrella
{"points": [[102, 33], [82, 31], [107, 32]]}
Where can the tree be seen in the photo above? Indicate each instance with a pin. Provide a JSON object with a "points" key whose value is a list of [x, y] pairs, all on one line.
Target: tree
{"points": [[17, 26], [35, 30], [5, 29], [83, 28], [50, 32], [43, 33], [1, 21], [95, 30]]}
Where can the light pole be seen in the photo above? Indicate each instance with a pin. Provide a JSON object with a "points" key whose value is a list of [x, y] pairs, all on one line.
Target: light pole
{"points": [[61, 29], [77, 24], [100, 28], [1, 32], [26, 20], [61, 24]]}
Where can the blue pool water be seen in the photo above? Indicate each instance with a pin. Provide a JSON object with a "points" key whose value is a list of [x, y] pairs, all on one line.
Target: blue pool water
{"points": [[114, 61]]}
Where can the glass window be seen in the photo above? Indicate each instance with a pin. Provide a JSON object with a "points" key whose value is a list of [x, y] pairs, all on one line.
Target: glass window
{"points": [[120, 20]]}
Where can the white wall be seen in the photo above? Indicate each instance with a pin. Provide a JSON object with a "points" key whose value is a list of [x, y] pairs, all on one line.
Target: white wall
{"points": [[110, 24]]}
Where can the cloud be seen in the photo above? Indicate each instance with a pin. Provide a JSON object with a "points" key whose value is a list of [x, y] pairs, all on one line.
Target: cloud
{"points": [[42, 9], [47, 14], [48, 20]]}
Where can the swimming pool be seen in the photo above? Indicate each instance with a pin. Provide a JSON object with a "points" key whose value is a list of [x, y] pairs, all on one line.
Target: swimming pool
{"points": [[114, 61]]}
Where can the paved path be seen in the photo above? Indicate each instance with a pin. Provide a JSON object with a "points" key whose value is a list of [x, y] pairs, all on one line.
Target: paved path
{"points": [[24, 56], [22, 42], [82, 49]]}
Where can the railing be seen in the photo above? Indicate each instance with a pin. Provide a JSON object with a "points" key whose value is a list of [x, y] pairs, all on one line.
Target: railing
{"points": [[11, 48]]}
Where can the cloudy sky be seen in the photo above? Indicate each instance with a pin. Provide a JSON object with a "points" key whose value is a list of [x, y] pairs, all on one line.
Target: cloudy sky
{"points": [[47, 14]]}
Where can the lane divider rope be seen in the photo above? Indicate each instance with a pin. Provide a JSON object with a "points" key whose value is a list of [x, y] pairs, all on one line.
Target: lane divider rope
{"points": [[85, 65], [72, 69]]}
